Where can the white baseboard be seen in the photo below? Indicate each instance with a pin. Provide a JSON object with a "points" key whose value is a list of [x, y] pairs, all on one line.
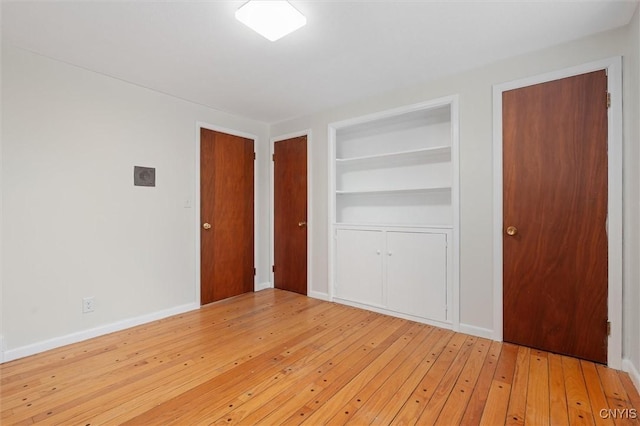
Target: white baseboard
{"points": [[79, 336], [485, 333], [628, 366], [319, 295], [263, 286], [384, 311], [1, 349]]}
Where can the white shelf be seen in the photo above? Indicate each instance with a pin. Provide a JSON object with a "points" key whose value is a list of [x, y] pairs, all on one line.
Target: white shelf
{"points": [[434, 151], [432, 227], [395, 191]]}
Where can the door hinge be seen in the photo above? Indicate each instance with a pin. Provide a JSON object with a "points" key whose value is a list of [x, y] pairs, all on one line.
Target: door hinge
{"points": [[273, 157], [608, 100], [254, 272], [608, 328], [254, 155], [273, 268]]}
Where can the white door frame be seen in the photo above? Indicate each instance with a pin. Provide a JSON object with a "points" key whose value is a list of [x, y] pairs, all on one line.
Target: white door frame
{"points": [[196, 204], [280, 138], [613, 66]]}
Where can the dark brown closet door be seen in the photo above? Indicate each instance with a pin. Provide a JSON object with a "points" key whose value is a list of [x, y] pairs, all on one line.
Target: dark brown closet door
{"points": [[555, 212]]}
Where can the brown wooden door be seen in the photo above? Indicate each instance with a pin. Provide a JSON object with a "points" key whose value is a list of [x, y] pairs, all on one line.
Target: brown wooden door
{"points": [[555, 195], [290, 214], [226, 204]]}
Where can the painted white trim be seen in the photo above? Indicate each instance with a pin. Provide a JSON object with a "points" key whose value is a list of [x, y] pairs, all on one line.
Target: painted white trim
{"points": [[196, 203], [634, 374], [485, 333], [384, 311], [274, 139], [2, 349], [453, 102], [614, 73], [434, 103], [455, 206], [331, 214], [263, 286], [80, 336], [319, 295]]}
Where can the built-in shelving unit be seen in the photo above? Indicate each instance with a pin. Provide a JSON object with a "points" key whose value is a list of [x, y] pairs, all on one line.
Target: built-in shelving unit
{"points": [[394, 188]]}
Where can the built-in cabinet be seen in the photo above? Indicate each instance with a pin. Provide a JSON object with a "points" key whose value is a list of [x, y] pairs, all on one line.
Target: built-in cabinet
{"points": [[394, 204]]}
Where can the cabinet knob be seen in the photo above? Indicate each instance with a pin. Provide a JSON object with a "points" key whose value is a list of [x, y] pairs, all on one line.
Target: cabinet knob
{"points": [[377, 251], [512, 230], [206, 226], [302, 224], [389, 254]]}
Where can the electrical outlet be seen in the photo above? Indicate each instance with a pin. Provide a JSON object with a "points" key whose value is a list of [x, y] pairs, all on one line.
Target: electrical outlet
{"points": [[88, 305]]}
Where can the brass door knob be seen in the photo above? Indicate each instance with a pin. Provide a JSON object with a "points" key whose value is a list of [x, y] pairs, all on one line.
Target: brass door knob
{"points": [[301, 224], [206, 226], [512, 230]]}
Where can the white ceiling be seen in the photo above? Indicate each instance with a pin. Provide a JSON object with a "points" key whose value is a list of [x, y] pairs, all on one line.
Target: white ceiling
{"points": [[348, 50]]}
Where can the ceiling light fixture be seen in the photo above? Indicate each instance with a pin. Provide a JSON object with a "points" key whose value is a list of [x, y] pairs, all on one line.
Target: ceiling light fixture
{"points": [[271, 19]]}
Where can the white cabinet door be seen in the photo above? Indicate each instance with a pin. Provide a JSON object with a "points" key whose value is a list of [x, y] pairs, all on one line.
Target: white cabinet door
{"points": [[359, 266], [417, 274]]}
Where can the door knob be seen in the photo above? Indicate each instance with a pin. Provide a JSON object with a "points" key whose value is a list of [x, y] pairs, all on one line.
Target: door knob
{"points": [[512, 230], [206, 226], [301, 224]]}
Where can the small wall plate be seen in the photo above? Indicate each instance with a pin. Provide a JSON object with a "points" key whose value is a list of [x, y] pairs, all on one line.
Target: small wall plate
{"points": [[144, 176]]}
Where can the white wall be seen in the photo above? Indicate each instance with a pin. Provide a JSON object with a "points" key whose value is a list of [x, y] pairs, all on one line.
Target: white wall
{"points": [[631, 290], [475, 90], [1, 286], [73, 223]]}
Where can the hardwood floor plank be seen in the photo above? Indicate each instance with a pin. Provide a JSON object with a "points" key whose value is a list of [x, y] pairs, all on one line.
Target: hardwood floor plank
{"points": [[538, 398], [518, 401], [260, 366], [478, 399], [417, 401], [265, 402], [295, 375], [274, 357], [632, 392], [619, 402], [597, 398], [578, 404], [458, 397], [558, 414], [495, 411], [385, 402], [507, 363], [350, 410], [335, 410], [234, 393], [445, 389], [335, 381], [323, 376]]}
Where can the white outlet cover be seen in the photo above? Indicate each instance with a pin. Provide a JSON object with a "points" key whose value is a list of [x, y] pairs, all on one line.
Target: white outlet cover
{"points": [[88, 304]]}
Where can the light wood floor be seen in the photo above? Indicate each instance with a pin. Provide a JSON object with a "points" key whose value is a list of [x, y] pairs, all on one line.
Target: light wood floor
{"points": [[275, 357]]}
